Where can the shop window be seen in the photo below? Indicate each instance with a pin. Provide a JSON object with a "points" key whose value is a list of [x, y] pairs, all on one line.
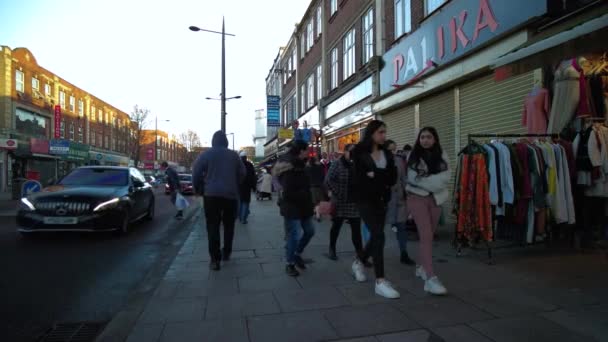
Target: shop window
{"points": [[319, 82], [62, 99], [368, 36], [403, 17], [319, 21], [334, 68], [31, 123], [35, 84], [431, 5], [311, 91], [348, 60], [20, 81]]}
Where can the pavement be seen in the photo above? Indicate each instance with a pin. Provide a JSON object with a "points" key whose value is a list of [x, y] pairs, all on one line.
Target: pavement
{"points": [[8, 208], [536, 293]]}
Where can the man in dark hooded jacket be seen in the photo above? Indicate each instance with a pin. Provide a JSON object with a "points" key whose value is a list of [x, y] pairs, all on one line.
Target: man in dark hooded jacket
{"points": [[219, 171]]}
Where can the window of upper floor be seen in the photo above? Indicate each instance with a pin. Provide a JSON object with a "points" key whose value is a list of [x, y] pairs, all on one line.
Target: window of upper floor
{"points": [[431, 5], [333, 7], [403, 17], [20, 81], [368, 36]]}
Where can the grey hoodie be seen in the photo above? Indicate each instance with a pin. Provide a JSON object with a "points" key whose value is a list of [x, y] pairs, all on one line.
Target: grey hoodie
{"points": [[219, 171]]}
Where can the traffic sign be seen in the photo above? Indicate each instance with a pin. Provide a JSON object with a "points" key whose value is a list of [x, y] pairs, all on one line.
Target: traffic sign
{"points": [[29, 187]]}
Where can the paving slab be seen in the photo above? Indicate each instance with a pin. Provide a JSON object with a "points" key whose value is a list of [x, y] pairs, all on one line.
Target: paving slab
{"points": [[442, 311], [589, 321], [410, 336], [360, 339], [528, 328], [460, 333], [504, 302], [257, 283], [174, 310], [368, 320], [219, 330], [211, 287], [146, 333], [241, 305], [232, 270], [364, 294], [292, 327], [310, 299]]}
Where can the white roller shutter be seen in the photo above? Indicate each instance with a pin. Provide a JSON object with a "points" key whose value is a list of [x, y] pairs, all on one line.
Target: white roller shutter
{"points": [[401, 126]]}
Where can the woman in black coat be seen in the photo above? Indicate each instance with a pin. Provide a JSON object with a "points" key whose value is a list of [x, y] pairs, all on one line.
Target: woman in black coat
{"points": [[375, 174]]}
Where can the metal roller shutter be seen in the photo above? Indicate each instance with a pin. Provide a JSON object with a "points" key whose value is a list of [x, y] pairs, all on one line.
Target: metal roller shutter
{"points": [[487, 106], [401, 126], [438, 111]]}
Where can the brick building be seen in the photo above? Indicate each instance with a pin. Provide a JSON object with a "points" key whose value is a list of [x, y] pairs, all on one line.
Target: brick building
{"points": [[167, 149]]}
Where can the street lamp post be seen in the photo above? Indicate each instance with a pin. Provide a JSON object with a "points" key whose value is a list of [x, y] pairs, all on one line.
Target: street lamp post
{"points": [[156, 136], [223, 86], [232, 140]]}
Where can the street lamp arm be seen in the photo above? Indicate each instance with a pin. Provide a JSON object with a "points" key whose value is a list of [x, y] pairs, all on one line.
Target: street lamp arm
{"points": [[196, 29]]}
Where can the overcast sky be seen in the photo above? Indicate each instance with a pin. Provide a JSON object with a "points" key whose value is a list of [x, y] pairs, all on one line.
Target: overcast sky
{"points": [[129, 52]]}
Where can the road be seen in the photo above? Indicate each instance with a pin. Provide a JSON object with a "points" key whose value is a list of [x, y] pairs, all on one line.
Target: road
{"points": [[78, 277]]}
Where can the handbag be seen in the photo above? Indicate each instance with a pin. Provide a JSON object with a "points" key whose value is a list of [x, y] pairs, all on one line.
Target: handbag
{"points": [[325, 208]]}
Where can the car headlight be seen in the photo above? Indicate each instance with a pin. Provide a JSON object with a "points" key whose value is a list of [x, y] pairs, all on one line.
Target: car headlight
{"points": [[27, 205], [111, 204]]}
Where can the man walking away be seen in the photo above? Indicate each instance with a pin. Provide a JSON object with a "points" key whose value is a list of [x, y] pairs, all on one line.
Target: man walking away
{"points": [[219, 171], [174, 185], [246, 188], [295, 202]]}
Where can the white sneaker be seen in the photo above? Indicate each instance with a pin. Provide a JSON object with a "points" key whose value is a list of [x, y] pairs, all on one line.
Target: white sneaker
{"points": [[434, 286], [420, 272], [359, 271], [386, 290]]}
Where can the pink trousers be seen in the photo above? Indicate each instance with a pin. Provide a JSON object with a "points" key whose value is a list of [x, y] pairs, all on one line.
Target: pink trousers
{"points": [[426, 215]]}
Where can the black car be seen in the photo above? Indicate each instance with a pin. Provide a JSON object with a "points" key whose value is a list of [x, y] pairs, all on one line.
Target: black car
{"points": [[89, 199]]}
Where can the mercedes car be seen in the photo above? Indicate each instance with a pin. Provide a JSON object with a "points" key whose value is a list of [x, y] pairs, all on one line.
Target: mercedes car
{"points": [[89, 199]]}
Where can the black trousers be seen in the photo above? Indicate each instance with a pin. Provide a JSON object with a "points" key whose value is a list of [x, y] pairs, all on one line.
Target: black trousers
{"points": [[374, 215], [355, 227], [220, 211]]}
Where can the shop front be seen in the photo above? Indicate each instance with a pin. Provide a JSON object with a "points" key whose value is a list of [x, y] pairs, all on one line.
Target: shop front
{"points": [[31, 160], [71, 154], [109, 159], [6, 145], [346, 117]]}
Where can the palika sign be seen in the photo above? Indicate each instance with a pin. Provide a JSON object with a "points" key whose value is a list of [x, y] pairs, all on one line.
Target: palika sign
{"points": [[460, 27]]}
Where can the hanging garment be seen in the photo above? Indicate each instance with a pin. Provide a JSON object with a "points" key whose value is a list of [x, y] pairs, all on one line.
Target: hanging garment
{"points": [[597, 95], [599, 186], [561, 213], [570, 157], [493, 175], [566, 96], [551, 175], [506, 177], [524, 187], [567, 187], [474, 218], [536, 111]]}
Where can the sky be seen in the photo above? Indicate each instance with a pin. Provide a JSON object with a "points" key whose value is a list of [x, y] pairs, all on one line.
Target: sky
{"points": [[128, 52]]}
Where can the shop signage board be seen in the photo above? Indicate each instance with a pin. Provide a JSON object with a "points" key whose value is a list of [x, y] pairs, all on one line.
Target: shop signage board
{"points": [[59, 146], [150, 154], [40, 146], [285, 133], [273, 111], [459, 28], [8, 144], [57, 132], [78, 152]]}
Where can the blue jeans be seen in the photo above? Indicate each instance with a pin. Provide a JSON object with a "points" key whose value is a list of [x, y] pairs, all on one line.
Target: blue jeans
{"points": [[401, 235], [243, 211], [296, 244]]}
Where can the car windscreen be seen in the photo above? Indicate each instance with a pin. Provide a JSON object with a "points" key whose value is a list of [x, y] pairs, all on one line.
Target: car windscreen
{"points": [[185, 178], [96, 177]]}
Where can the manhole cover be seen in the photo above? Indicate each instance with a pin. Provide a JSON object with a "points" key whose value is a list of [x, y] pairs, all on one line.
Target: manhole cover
{"points": [[73, 332]]}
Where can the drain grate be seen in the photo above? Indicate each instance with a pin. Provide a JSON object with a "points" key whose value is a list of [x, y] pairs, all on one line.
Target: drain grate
{"points": [[73, 332]]}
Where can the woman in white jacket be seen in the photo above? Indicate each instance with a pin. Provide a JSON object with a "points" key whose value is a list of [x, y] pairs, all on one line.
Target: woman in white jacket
{"points": [[428, 175]]}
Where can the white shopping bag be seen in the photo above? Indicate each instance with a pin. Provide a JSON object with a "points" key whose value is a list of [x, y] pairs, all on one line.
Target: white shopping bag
{"points": [[181, 202]]}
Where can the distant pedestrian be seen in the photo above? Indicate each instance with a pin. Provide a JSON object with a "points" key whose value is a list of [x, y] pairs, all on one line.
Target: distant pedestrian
{"points": [[246, 188], [339, 181], [219, 171], [295, 201], [265, 188], [397, 213], [428, 175], [174, 185], [375, 174]]}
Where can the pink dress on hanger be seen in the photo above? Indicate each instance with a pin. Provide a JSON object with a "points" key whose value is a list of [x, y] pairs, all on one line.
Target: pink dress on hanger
{"points": [[536, 111]]}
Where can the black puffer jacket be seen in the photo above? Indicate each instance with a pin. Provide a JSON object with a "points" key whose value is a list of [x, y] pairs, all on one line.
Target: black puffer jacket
{"points": [[295, 199], [378, 188]]}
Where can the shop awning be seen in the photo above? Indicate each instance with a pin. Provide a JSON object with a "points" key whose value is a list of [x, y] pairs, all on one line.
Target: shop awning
{"points": [[591, 26]]}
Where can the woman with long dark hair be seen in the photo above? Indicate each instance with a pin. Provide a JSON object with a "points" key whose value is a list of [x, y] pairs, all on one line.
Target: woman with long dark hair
{"points": [[428, 175], [375, 174]]}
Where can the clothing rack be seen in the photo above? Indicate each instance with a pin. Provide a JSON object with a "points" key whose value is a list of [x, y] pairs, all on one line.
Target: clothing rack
{"points": [[489, 245]]}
